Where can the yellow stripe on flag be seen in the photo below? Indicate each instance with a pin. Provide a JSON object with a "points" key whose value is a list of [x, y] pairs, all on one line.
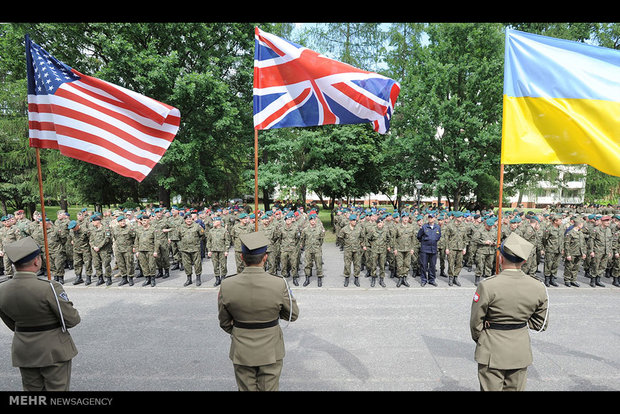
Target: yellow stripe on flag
{"points": [[561, 131]]}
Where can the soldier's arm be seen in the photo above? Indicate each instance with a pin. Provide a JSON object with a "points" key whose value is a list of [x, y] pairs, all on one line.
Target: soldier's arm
{"points": [[479, 307], [10, 323], [538, 321], [70, 315], [225, 318]]}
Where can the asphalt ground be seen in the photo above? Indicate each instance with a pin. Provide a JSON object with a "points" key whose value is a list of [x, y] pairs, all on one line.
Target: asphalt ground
{"points": [[167, 338]]}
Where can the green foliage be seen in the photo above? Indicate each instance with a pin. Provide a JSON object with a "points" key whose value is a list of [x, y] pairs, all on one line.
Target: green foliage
{"points": [[446, 130]]}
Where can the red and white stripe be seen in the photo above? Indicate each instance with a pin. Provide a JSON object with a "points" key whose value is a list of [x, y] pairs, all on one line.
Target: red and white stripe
{"points": [[103, 124]]}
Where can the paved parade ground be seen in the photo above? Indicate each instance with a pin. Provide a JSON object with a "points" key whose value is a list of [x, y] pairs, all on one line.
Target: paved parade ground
{"points": [[167, 338]]}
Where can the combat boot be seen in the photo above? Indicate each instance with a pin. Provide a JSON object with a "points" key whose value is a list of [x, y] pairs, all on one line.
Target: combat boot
{"points": [[552, 281], [100, 281], [615, 282], [78, 280], [346, 281], [296, 280], [456, 281], [198, 281], [547, 281], [319, 281], [381, 283], [597, 281], [188, 281], [450, 281], [476, 280], [123, 281], [130, 280], [152, 282], [88, 281], [147, 281], [356, 281], [307, 282], [175, 266], [592, 282], [166, 274], [372, 281], [108, 281], [61, 280], [400, 282], [217, 281]]}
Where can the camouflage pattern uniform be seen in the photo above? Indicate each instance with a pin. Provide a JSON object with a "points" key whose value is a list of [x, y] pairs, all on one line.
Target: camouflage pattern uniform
{"points": [[124, 237], [190, 237], [218, 243], [311, 240]]}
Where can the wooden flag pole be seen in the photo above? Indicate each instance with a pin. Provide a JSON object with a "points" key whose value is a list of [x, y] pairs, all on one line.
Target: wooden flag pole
{"points": [[499, 225], [255, 180], [43, 217]]}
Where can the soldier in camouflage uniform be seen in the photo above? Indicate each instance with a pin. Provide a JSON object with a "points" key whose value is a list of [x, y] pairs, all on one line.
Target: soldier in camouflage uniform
{"points": [[176, 221], [289, 247], [486, 240], [272, 233], [529, 233], [574, 252], [404, 246], [218, 243], [8, 234], [242, 226], [146, 249], [311, 241], [162, 228], [79, 236], [553, 249], [600, 248], [124, 236], [441, 245], [191, 235], [353, 243], [101, 250], [37, 234], [615, 266], [456, 247], [62, 221], [378, 243]]}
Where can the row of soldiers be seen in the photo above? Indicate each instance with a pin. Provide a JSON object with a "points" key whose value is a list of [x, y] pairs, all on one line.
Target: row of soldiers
{"points": [[157, 240], [376, 240]]}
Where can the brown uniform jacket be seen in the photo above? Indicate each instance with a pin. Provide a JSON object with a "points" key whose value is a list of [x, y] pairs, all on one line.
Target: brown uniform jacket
{"points": [[255, 296], [26, 302], [510, 297]]}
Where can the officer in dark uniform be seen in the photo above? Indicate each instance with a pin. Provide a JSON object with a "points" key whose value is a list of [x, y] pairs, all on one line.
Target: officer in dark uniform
{"points": [[428, 235], [39, 312], [250, 304]]}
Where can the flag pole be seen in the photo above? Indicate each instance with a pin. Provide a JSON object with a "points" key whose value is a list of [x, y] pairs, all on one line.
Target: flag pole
{"points": [[43, 217], [255, 179], [499, 225]]}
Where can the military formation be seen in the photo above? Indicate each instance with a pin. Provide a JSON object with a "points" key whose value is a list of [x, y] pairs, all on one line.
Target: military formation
{"points": [[375, 243], [129, 244], [381, 242]]}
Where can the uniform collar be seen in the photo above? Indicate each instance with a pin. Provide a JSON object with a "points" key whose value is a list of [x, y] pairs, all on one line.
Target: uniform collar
{"points": [[24, 275]]}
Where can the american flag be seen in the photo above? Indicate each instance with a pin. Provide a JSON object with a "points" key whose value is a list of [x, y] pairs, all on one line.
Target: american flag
{"points": [[297, 87], [95, 121]]}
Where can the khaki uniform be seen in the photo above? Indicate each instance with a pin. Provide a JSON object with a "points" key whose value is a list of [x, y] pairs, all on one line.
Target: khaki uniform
{"points": [[218, 243], [101, 239], [8, 235], [378, 242], [456, 242], [41, 348], [145, 245], [575, 248], [311, 240], [190, 238], [257, 344], [124, 238], [503, 308], [352, 242]]}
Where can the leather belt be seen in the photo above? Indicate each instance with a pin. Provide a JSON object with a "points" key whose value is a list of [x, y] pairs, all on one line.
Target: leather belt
{"points": [[37, 328], [506, 326], [255, 325]]}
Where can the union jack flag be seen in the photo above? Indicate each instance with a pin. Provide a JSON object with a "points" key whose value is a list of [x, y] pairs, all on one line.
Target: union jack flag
{"points": [[297, 87], [95, 121]]}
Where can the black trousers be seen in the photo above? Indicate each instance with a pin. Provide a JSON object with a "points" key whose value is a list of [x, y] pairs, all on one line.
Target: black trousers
{"points": [[428, 261]]}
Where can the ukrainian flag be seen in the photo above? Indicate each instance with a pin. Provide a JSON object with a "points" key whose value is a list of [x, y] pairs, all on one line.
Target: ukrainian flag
{"points": [[561, 103]]}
